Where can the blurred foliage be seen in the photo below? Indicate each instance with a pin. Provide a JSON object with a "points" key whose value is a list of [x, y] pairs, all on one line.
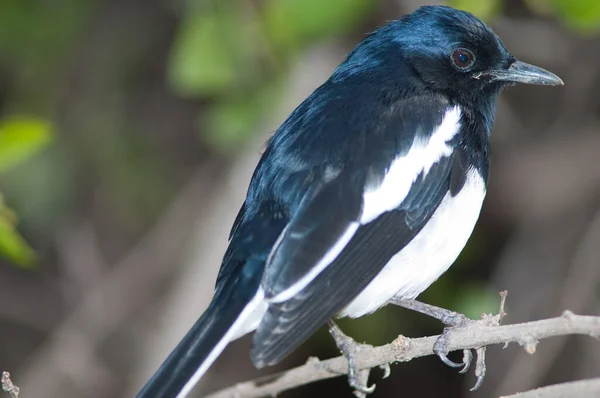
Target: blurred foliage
{"points": [[221, 53], [484, 9], [474, 299], [203, 60], [20, 138], [35, 40], [583, 15], [231, 56], [12, 246], [580, 15], [291, 24], [132, 98]]}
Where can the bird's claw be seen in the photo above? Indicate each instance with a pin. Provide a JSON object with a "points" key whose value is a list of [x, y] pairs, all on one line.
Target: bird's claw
{"points": [[452, 320], [360, 388], [356, 379], [467, 359], [480, 368], [442, 354], [386, 370], [441, 349]]}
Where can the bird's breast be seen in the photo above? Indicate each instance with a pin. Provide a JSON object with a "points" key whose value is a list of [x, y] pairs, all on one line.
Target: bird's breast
{"points": [[429, 254]]}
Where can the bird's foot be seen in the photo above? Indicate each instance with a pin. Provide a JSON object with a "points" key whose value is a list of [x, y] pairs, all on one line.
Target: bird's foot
{"points": [[357, 379], [453, 321]]}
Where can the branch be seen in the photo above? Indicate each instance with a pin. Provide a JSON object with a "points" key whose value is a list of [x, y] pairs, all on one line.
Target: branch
{"points": [[8, 386], [581, 388], [403, 349]]}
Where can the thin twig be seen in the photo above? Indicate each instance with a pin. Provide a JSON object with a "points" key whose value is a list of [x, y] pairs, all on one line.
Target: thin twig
{"points": [[582, 388], [8, 386], [403, 349]]}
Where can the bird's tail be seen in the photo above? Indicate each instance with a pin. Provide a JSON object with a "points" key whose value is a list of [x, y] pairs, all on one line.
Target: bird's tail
{"points": [[225, 320]]}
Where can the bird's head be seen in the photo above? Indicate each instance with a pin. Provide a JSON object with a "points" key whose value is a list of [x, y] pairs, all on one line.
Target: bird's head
{"points": [[449, 50]]}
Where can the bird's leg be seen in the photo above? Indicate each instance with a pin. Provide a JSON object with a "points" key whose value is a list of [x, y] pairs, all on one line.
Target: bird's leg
{"points": [[450, 319], [349, 347]]}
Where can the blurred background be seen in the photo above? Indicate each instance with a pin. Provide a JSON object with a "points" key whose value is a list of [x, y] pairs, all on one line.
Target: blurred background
{"points": [[128, 133]]}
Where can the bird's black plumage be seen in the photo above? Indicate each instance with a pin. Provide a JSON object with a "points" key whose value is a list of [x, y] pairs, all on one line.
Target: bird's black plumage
{"points": [[368, 168]]}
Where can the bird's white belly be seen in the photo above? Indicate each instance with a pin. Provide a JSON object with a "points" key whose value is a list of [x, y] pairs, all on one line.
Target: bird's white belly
{"points": [[429, 254]]}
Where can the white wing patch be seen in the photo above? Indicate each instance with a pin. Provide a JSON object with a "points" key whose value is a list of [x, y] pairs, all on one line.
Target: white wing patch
{"points": [[404, 170]]}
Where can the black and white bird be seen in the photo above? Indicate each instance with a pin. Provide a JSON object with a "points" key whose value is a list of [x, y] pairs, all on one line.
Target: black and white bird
{"points": [[367, 193]]}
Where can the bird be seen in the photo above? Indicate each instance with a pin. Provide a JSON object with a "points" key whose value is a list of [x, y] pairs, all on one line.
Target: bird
{"points": [[365, 195]]}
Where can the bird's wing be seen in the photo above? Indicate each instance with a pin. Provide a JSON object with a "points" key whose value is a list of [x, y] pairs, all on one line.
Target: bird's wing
{"points": [[318, 268]]}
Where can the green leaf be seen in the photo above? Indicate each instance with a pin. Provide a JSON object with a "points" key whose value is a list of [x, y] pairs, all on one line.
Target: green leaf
{"points": [[12, 246], [22, 137], [203, 61], [484, 9]]}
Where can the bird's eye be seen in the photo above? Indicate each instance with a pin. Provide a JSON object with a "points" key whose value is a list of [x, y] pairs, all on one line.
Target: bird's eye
{"points": [[462, 58]]}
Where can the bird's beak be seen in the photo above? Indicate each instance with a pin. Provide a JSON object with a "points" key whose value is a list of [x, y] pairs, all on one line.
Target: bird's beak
{"points": [[520, 72]]}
